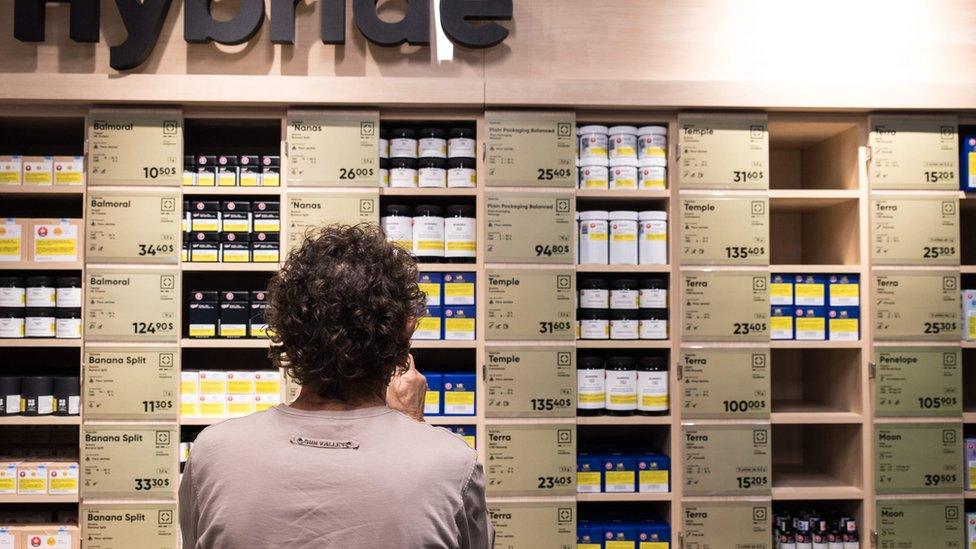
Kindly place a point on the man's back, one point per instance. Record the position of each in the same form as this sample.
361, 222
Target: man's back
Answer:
370, 478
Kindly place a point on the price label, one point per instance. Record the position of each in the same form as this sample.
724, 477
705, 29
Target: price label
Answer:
135, 147
310, 211
131, 383
141, 226
723, 151
531, 305
725, 383
918, 382
531, 460
534, 525
725, 306
113, 525
918, 458
921, 305
915, 231
921, 524
741, 524
914, 152
530, 228
727, 460
531, 149
129, 461
725, 231
531, 382
333, 148
132, 305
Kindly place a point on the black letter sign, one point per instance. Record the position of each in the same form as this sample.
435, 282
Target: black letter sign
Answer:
414, 29
29, 20
199, 26
143, 21
455, 15
333, 21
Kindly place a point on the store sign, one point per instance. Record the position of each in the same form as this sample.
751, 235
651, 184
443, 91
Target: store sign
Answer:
918, 381
131, 383
725, 306
468, 23
132, 305
129, 461
135, 147
918, 305
727, 460
532, 460
725, 383
920, 524
727, 524
531, 381
531, 305
531, 149
137, 226
914, 152
333, 148
530, 228
534, 525
112, 525
725, 231
918, 458
915, 231
310, 211
723, 151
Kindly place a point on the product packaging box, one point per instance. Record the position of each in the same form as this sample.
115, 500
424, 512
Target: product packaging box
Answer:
226, 171
811, 323
266, 216
55, 240
257, 326
429, 325
241, 382
185, 250
466, 432
619, 473
206, 167
11, 170
809, 290
263, 402
780, 289
844, 324
212, 405
459, 394
781, 323
240, 405
270, 171
204, 247
50, 536
969, 314
652, 533
432, 400
8, 478
267, 382
589, 474
249, 172
38, 170
235, 312
653, 473
10, 537
189, 171
235, 216
62, 478
31, 478
431, 284
189, 382
844, 290
189, 405
459, 323
203, 314
967, 163
235, 248
970, 530
205, 216
589, 535
14, 234
69, 170
459, 289
970, 456
265, 248
620, 532
213, 382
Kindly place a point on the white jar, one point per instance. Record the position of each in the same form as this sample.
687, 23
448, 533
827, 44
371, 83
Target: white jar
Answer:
591, 384
624, 294
68, 328
653, 324
461, 173
653, 294
398, 226
592, 176
432, 173
432, 143
622, 149
592, 144
621, 385
653, 173
594, 323
623, 178
652, 390
403, 173
403, 143
652, 141
428, 232
653, 238
40, 322
460, 143
12, 326
593, 242
68, 297
384, 147
11, 296
594, 294
624, 324
460, 230
623, 237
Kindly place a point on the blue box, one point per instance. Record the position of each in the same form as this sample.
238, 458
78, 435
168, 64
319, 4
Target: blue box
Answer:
620, 473
810, 290
429, 326
432, 285
844, 290
432, 400
844, 323
589, 474
653, 473
459, 289
781, 323
967, 163
459, 323
653, 531
467, 432
459, 394
620, 533
781, 289
589, 535
810, 323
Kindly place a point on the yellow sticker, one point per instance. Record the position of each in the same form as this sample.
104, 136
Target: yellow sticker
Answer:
458, 398
458, 289
809, 290
810, 324
56, 247
844, 290
654, 477
778, 323
779, 289
588, 478
843, 325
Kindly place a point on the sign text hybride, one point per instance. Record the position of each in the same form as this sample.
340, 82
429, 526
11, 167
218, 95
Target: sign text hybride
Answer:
143, 20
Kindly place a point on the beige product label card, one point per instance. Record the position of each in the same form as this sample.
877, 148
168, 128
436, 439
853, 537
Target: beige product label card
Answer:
531, 381
915, 231
132, 305
725, 231
333, 148
135, 147
142, 226
916, 305
131, 383
918, 381
518, 525
534, 305
309, 211
725, 305
918, 458
531, 149
914, 152
129, 461
531, 460
725, 383
719, 525
117, 525
921, 524
723, 151
530, 228
727, 460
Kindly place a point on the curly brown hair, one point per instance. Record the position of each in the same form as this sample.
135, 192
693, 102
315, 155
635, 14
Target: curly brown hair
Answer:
342, 310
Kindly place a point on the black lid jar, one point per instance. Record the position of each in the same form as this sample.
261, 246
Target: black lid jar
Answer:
41, 291
403, 143
590, 386
460, 234
652, 386
593, 323
432, 172
428, 233
37, 395
432, 142
624, 294
621, 385
12, 292
594, 293
67, 396
461, 143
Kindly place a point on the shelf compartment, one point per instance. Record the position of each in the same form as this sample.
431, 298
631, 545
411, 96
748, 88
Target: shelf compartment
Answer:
17, 499
629, 196
822, 461
230, 267
446, 192
623, 420
217, 343
825, 232
819, 385
192, 190
969, 385
623, 344
26, 342
40, 420
814, 152
42, 266
40, 191
625, 497
795, 483
610, 269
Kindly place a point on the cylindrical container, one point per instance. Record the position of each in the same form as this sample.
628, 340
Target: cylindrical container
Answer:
593, 144
653, 238
621, 386
13, 292
398, 225
432, 143
624, 323
576, 232
652, 142
592, 176
403, 143
653, 293
460, 234
11, 322
10, 396
384, 144
68, 323
652, 386
594, 323
652, 173
622, 178
593, 245
594, 293
653, 324
622, 149
403, 172
67, 396
623, 237
432, 172
41, 291
624, 294
69, 292
384, 172
461, 173
428, 233
40, 322
37, 395
460, 143
591, 389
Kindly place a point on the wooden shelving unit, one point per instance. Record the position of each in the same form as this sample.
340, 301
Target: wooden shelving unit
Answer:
40, 342
24, 499
625, 497
40, 420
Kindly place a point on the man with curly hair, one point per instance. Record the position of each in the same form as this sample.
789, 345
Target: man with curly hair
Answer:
350, 463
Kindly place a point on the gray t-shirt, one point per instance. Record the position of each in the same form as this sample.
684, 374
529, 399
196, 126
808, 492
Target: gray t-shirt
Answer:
369, 478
